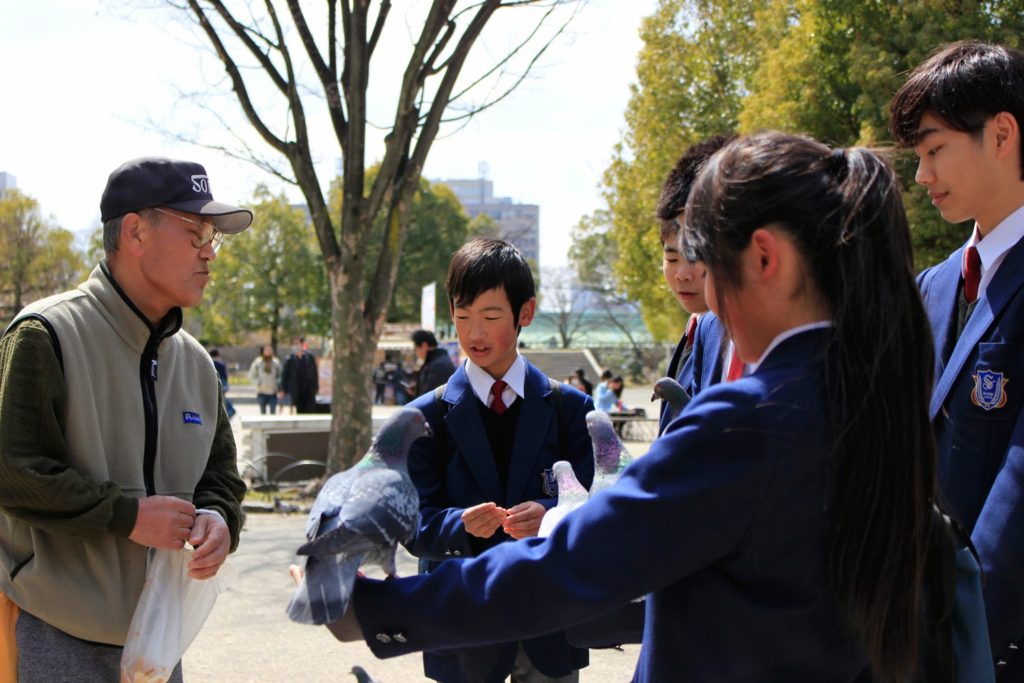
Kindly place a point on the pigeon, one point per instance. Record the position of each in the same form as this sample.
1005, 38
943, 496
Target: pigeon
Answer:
358, 518
673, 393
361, 675
571, 495
610, 456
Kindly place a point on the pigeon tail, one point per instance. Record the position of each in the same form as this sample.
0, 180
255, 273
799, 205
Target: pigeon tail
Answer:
323, 595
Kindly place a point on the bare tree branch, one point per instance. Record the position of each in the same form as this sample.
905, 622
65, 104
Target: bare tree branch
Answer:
378, 26
327, 74
237, 82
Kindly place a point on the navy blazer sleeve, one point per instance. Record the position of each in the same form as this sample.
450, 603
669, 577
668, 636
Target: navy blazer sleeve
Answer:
703, 502
998, 539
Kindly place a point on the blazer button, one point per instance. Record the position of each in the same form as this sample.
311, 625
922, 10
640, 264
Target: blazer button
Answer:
447, 553
1013, 646
384, 638
457, 553
400, 637
1000, 662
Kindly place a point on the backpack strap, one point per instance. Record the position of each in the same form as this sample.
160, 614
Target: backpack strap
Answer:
441, 431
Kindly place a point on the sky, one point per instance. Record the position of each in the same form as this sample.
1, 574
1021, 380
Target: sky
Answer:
88, 85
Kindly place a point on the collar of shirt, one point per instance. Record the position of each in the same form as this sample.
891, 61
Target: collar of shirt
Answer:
996, 244
730, 349
791, 332
481, 382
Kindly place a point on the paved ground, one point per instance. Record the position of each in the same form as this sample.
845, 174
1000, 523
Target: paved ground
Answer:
248, 638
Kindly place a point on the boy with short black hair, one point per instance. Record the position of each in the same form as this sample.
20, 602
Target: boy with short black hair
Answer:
685, 279
499, 425
961, 111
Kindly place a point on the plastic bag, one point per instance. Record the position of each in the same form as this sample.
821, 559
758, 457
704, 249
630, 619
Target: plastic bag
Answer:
171, 610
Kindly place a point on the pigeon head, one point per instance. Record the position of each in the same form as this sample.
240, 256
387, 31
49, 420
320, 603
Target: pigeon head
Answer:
397, 434
607, 447
568, 485
670, 391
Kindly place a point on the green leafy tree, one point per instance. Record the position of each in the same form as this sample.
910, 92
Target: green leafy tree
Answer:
691, 76
825, 68
268, 278
482, 225
36, 258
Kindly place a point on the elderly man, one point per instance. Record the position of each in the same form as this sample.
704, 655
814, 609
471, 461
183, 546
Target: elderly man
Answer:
113, 433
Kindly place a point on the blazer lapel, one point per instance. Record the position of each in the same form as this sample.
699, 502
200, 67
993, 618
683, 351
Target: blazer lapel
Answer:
466, 429
535, 416
943, 291
1007, 281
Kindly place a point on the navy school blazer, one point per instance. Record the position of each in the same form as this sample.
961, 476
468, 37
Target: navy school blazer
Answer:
466, 475
979, 429
722, 524
702, 368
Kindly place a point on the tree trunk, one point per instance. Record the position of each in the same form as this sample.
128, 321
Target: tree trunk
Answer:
351, 404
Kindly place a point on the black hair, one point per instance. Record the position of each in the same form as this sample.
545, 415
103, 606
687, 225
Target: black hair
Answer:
843, 211
483, 264
214, 353
964, 84
424, 337
607, 374
676, 187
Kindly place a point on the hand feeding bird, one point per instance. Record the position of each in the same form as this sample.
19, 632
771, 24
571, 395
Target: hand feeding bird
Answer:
610, 456
673, 393
571, 495
358, 518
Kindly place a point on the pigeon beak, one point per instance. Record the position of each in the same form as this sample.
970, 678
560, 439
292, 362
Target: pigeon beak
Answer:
654, 397
427, 431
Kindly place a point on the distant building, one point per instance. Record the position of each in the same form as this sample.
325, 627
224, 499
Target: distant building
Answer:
519, 223
7, 182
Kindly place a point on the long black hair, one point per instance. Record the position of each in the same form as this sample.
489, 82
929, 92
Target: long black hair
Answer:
842, 208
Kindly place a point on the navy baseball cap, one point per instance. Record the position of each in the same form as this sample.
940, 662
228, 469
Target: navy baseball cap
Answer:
155, 181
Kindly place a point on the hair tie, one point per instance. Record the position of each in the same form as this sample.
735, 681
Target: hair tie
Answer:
838, 165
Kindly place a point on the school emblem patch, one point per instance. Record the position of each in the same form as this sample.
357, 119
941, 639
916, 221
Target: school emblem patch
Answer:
989, 390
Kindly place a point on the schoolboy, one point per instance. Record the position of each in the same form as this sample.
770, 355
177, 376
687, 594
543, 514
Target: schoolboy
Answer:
961, 111
499, 425
685, 279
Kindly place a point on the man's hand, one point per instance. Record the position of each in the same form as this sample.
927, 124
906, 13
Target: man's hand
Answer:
524, 519
163, 522
212, 541
484, 519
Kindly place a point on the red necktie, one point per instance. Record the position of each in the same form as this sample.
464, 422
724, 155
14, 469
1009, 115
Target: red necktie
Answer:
972, 274
691, 330
498, 406
735, 367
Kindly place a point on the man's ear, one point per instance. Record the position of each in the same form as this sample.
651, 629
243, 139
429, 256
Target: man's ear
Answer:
132, 230
527, 312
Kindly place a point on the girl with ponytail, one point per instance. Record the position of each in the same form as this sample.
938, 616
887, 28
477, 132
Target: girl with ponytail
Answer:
839, 213
778, 527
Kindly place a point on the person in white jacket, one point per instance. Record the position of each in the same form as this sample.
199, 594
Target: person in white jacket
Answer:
265, 373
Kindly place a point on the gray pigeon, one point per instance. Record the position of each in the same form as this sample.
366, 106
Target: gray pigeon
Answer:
571, 495
359, 518
672, 393
361, 675
610, 456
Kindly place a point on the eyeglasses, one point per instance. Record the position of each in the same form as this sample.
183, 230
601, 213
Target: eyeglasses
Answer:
207, 233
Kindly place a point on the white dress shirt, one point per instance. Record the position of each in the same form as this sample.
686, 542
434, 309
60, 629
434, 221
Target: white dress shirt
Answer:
481, 382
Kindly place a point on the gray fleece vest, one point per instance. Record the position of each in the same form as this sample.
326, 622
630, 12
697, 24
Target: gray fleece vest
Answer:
142, 413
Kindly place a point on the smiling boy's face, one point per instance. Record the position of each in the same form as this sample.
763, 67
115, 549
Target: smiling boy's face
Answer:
488, 331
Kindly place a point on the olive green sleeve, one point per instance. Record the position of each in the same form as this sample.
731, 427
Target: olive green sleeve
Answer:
220, 488
37, 483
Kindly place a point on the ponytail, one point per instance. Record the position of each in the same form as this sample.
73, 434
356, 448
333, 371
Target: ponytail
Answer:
885, 469
843, 210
